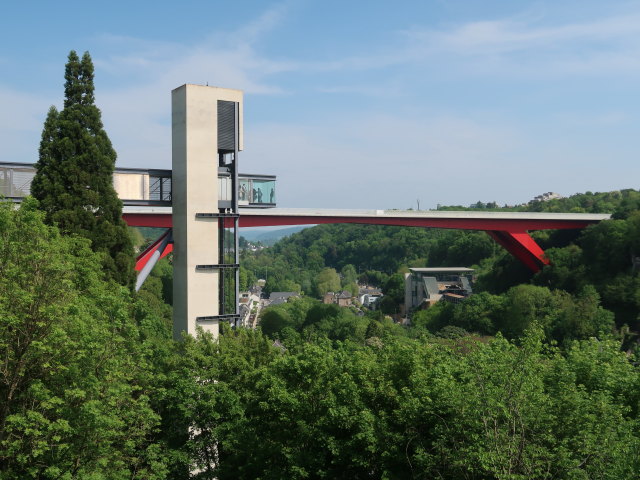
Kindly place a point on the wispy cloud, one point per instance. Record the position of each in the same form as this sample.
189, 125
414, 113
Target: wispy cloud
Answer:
134, 77
525, 44
265, 23
226, 60
366, 159
503, 36
601, 46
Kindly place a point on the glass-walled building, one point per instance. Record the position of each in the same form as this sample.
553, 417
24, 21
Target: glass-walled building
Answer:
148, 186
257, 190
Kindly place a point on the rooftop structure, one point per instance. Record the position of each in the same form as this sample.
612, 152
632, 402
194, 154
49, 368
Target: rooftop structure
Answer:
545, 197
440, 271
342, 299
427, 286
276, 298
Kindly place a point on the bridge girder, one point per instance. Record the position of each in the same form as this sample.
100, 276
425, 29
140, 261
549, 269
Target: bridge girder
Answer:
511, 234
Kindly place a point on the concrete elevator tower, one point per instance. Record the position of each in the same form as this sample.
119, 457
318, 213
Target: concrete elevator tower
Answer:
207, 135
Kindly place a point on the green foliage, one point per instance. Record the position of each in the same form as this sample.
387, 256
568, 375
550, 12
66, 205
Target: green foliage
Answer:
136, 237
563, 317
352, 288
526, 305
273, 320
394, 288
599, 202
567, 270
327, 280
434, 318
157, 290
451, 332
377, 251
92, 385
276, 283
501, 274
74, 377
469, 249
349, 275
602, 256
74, 180
373, 277
248, 279
583, 317
313, 320
448, 408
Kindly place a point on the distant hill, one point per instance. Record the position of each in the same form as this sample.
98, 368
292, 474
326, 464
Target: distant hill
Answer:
269, 237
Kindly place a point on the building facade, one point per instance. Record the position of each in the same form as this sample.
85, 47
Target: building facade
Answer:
426, 286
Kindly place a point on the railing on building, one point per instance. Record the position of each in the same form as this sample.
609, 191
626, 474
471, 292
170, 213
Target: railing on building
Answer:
150, 187
253, 190
143, 186
15, 180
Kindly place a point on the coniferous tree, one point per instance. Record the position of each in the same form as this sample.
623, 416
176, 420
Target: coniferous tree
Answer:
74, 182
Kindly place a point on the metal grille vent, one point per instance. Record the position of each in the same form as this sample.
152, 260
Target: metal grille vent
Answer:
226, 125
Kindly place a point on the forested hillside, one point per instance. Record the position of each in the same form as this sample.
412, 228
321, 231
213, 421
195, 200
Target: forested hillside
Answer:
93, 385
598, 264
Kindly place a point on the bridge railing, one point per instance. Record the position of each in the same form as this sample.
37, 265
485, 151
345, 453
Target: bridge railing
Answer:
15, 180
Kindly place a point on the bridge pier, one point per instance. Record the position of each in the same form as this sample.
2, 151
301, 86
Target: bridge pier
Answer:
521, 246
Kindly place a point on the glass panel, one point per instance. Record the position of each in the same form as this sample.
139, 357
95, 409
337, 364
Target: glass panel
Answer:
264, 191
227, 278
22, 179
155, 184
5, 182
16, 181
224, 188
166, 189
159, 189
244, 191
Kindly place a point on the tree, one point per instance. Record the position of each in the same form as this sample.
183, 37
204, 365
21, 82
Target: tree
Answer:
247, 279
526, 304
74, 181
349, 275
273, 320
74, 379
327, 280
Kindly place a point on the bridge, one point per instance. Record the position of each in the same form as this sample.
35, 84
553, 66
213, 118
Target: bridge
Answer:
204, 200
147, 198
509, 229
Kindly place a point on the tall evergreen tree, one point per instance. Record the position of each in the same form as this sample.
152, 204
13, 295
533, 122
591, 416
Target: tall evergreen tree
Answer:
74, 182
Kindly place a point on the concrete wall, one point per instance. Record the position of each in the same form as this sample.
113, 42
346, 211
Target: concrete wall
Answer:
195, 190
131, 186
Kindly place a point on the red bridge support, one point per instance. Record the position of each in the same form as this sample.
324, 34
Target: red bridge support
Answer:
510, 233
521, 246
144, 257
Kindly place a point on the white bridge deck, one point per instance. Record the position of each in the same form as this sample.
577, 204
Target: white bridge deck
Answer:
413, 214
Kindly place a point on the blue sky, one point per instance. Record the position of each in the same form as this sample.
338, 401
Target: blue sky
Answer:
354, 104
